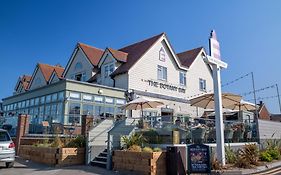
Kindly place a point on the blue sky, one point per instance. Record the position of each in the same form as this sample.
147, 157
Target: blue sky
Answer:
47, 31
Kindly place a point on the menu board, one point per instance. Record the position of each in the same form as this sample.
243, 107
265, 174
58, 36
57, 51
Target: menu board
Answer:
198, 158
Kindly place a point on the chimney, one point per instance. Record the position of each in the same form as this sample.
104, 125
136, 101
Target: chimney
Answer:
261, 103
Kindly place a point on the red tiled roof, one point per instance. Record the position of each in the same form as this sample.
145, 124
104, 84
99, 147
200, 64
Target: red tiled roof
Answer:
93, 54
119, 55
25, 80
135, 52
46, 70
59, 71
187, 58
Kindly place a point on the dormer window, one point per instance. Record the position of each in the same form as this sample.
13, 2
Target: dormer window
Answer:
162, 55
108, 69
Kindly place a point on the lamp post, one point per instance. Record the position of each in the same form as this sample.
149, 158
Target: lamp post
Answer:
216, 63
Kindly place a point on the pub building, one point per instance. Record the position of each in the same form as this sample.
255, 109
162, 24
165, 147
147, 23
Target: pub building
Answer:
97, 82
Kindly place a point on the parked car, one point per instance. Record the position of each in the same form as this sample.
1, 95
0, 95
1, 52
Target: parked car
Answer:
7, 149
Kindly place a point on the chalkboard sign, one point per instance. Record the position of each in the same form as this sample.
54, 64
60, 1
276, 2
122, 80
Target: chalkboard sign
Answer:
198, 158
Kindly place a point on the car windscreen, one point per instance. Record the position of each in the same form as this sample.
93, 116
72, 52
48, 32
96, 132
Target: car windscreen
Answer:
4, 136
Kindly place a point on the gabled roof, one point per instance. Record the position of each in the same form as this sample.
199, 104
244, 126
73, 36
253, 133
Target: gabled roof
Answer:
119, 55
59, 71
46, 70
187, 58
93, 54
24, 80
135, 52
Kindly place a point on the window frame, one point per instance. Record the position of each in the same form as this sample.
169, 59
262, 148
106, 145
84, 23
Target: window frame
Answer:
184, 78
162, 73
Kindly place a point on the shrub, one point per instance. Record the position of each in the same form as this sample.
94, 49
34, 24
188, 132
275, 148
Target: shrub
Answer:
147, 149
78, 142
215, 164
135, 139
135, 148
274, 153
57, 143
248, 156
265, 156
157, 149
230, 155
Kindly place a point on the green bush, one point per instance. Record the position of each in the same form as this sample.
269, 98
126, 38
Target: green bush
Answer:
230, 155
147, 149
135, 148
274, 153
157, 149
135, 139
265, 156
78, 142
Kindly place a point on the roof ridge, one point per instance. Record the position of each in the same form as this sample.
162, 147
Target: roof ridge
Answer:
201, 47
155, 36
87, 45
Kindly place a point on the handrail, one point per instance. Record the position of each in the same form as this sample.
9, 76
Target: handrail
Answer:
100, 132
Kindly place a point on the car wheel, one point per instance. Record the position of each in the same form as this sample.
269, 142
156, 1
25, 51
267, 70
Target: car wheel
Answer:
9, 164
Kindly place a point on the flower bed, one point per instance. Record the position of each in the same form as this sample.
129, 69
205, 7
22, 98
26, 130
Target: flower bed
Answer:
53, 156
152, 163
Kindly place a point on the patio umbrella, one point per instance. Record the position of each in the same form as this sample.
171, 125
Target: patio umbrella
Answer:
207, 101
141, 103
242, 105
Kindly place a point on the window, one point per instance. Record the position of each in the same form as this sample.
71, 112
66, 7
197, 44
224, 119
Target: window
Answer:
183, 78
106, 71
36, 101
109, 100
109, 112
161, 73
98, 111
88, 109
202, 84
31, 102
78, 66
74, 113
120, 101
48, 98
74, 96
42, 100
61, 96
98, 99
27, 103
60, 117
54, 97
111, 68
87, 97
162, 55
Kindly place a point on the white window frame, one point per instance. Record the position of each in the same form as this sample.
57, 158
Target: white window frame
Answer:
162, 73
162, 55
106, 70
184, 78
202, 84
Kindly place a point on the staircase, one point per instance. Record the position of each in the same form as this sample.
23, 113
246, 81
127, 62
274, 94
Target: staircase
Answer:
100, 160
98, 139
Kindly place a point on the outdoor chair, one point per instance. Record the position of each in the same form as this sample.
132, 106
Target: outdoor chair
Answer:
198, 135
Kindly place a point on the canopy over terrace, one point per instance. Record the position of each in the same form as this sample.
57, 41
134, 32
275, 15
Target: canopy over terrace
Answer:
207, 101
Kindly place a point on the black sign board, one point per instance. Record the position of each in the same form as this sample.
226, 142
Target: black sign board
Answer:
198, 158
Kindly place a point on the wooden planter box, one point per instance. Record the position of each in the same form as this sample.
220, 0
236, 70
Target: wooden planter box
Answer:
140, 162
53, 156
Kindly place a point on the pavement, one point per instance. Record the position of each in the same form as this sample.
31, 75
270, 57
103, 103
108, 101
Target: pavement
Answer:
26, 167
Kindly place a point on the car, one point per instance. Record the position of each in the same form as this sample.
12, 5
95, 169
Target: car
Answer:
7, 149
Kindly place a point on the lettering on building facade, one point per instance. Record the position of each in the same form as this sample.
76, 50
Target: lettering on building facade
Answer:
165, 86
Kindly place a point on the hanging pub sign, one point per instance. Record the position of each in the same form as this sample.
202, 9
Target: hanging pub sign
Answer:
198, 158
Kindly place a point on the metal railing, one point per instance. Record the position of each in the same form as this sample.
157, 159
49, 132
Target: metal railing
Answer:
160, 128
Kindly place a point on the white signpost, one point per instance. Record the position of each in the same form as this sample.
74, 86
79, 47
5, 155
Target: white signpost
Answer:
215, 61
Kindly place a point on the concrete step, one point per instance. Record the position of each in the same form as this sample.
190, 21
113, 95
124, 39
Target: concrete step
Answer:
101, 159
103, 154
98, 163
